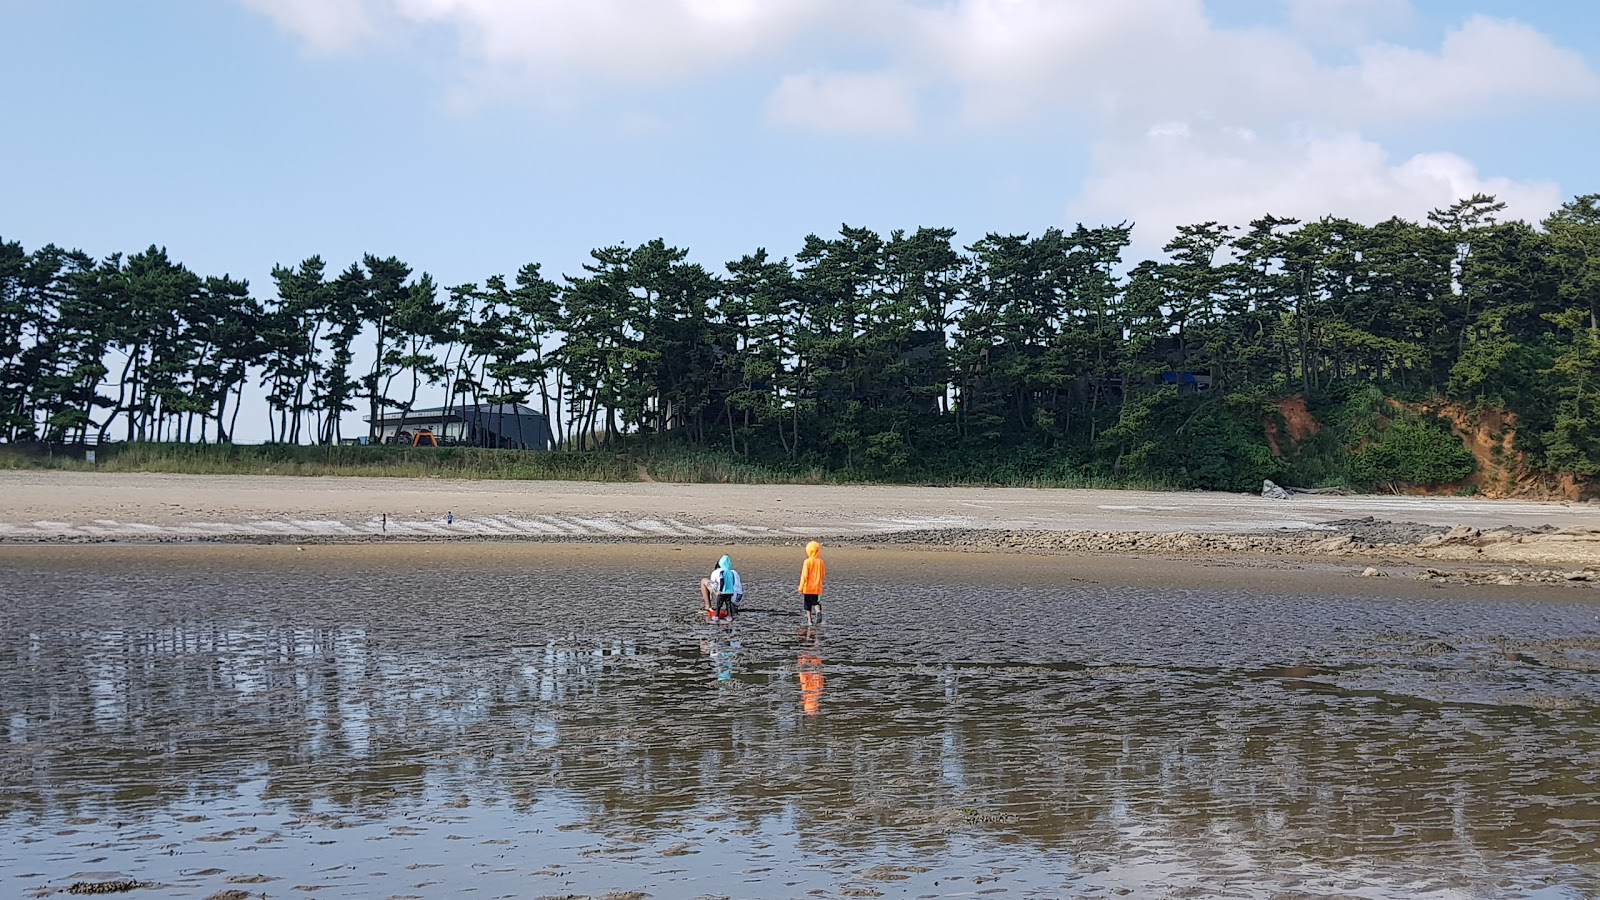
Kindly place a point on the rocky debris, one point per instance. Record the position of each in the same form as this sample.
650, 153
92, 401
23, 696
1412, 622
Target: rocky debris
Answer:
104, 887
892, 873
1334, 544
1512, 577
1363, 537
1294, 543
1273, 492
1574, 546
614, 895
1463, 536
1086, 541
947, 817
1370, 572
1460, 534
1370, 530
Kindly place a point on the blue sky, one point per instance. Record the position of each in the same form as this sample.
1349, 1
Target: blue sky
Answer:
471, 136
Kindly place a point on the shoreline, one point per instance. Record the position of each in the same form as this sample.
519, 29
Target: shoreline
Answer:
1131, 554
768, 568
1503, 541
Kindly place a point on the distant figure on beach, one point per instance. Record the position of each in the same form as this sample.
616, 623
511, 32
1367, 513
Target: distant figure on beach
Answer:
449, 518
723, 591
812, 574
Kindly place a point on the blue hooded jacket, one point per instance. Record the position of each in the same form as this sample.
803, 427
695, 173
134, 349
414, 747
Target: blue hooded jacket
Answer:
727, 578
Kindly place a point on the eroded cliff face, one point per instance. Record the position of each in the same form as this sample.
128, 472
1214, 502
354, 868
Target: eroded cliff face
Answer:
1298, 424
1489, 433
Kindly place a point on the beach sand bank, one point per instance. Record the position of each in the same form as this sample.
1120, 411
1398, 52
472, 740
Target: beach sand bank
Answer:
75, 508
166, 500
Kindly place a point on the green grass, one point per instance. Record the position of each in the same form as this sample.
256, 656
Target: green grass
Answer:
694, 466
691, 466
675, 464
286, 459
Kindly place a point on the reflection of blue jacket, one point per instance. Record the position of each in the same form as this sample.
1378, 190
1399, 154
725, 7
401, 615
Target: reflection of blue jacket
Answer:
725, 578
725, 659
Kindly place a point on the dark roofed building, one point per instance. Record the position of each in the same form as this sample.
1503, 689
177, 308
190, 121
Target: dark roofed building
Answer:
507, 426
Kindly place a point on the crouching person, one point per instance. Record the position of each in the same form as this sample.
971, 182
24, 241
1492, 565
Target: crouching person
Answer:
723, 591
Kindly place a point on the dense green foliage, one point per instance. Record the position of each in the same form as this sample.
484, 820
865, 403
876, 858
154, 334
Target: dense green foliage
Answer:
1019, 359
1412, 453
666, 463
1370, 440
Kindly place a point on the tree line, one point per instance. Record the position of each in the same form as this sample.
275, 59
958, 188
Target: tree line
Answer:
899, 355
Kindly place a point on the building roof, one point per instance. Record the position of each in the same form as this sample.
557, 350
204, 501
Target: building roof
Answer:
461, 411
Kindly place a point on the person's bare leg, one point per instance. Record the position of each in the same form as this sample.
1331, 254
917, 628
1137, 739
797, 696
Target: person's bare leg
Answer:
705, 593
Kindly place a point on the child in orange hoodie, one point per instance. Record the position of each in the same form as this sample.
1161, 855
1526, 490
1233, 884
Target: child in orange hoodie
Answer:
812, 574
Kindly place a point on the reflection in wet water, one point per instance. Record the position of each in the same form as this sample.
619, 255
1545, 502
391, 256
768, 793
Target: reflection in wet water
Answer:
809, 670
498, 733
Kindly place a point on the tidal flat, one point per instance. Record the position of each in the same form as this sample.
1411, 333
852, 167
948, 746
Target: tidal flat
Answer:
560, 721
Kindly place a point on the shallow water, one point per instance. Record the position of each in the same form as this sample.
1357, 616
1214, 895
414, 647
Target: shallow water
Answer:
460, 731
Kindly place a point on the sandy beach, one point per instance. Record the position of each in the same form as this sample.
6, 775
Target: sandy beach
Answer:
66, 507
185, 499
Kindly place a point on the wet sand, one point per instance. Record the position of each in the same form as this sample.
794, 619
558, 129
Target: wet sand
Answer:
769, 567
559, 721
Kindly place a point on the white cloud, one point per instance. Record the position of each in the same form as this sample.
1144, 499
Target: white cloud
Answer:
868, 102
1127, 63
1011, 57
1345, 21
1191, 120
1176, 175
626, 41
325, 25
1482, 64
1133, 63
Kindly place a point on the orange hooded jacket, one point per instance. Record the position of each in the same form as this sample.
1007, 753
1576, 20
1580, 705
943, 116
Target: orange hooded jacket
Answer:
814, 571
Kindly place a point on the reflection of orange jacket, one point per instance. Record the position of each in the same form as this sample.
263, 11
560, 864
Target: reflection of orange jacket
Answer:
814, 570
811, 681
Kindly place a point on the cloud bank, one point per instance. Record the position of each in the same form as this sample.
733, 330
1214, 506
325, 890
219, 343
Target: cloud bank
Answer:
1152, 179
1186, 119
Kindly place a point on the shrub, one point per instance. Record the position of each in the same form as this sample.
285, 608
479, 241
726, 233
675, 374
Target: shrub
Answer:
1419, 453
1208, 443
1226, 450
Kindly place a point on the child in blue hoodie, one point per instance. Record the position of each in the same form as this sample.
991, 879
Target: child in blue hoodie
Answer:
723, 591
